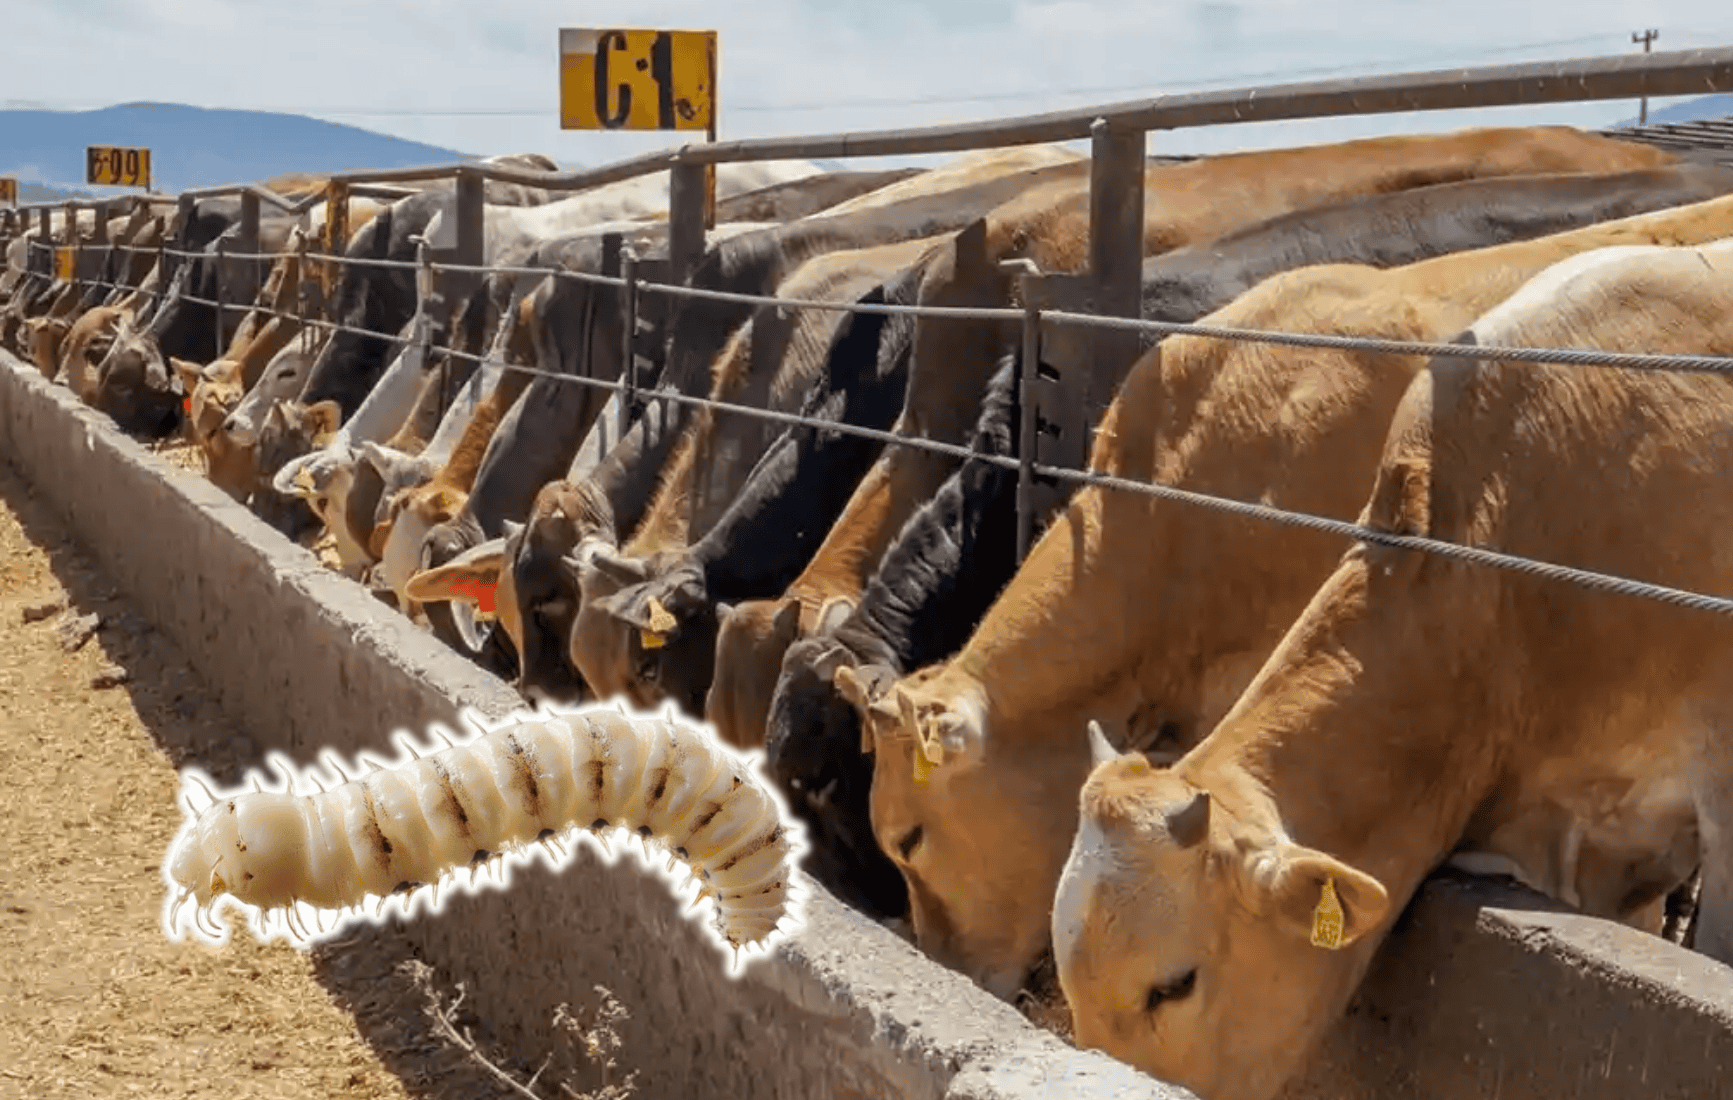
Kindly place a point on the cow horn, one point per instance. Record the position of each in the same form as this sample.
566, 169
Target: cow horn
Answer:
1101, 750
1189, 824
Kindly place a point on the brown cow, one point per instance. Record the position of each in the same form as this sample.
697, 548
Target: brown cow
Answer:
1216, 916
1152, 616
1184, 204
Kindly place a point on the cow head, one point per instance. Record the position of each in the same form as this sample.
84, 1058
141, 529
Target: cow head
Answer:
968, 818
284, 423
45, 337
661, 630
137, 389
1193, 938
751, 640
812, 742
477, 577
397, 542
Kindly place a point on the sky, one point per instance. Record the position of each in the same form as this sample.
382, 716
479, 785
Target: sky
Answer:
483, 77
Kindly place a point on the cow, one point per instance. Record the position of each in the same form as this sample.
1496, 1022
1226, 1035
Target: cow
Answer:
1215, 916
1184, 204
771, 361
654, 638
979, 820
371, 300
925, 592
799, 192
631, 469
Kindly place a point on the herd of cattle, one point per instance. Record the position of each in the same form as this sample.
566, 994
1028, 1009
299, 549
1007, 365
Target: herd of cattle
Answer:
1197, 761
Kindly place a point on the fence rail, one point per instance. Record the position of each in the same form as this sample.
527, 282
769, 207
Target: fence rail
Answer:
1118, 136
1032, 318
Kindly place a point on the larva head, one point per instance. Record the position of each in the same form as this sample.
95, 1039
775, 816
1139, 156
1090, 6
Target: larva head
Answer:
251, 846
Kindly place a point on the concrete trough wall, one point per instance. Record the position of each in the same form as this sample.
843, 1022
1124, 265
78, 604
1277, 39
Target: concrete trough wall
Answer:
1482, 991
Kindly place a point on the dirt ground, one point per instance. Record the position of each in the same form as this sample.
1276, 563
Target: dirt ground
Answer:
95, 1001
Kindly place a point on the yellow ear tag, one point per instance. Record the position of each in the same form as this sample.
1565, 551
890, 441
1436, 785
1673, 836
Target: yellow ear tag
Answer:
661, 622
924, 767
1327, 918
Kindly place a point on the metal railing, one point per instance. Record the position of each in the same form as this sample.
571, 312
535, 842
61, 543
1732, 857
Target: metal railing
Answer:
1032, 318
1117, 133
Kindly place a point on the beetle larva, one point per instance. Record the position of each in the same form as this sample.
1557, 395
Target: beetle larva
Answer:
398, 832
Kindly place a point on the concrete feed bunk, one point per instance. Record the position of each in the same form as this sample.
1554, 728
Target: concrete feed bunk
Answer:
1482, 990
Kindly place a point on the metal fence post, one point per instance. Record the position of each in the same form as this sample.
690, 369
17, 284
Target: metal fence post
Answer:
1027, 413
1116, 172
471, 211
685, 220
628, 392
72, 242
160, 289
248, 240
45, 239
424, 304
99, 244
185, 208
222, 296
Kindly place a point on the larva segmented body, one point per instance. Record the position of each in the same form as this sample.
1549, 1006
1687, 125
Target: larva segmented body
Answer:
499, 796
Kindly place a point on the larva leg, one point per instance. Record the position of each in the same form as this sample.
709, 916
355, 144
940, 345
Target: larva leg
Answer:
398, 829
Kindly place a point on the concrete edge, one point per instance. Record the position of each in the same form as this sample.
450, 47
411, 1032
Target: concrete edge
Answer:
314, 661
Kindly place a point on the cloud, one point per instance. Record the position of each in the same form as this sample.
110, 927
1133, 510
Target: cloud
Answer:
484, 77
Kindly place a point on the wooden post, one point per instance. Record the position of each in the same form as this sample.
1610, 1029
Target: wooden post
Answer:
1116, 171
72, 242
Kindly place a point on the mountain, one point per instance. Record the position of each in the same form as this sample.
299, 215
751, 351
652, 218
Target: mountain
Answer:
1692, 110
35, 192
198, 146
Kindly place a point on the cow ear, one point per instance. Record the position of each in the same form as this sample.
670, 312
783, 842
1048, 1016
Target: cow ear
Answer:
944, 736
785, 626
1317, 897
862, 693
619, 568
190, 374
1101, 750
472, 576
832, 614
396, 469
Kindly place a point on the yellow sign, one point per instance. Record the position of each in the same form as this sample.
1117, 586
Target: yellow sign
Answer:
9, 190
63, 264
117, 166
637, 80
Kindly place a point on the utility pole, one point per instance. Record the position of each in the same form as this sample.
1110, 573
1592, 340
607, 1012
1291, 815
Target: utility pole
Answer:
1645, 38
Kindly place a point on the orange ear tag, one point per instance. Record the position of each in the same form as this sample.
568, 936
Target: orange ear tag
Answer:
1327, 919
649, 639
484, 596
